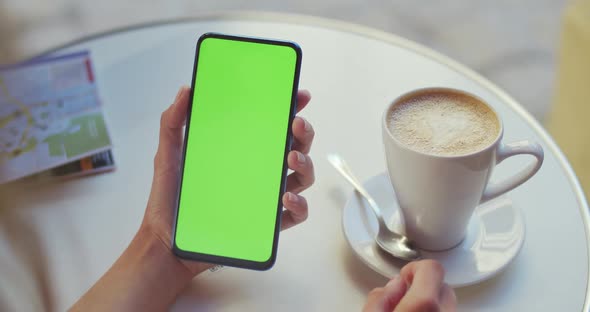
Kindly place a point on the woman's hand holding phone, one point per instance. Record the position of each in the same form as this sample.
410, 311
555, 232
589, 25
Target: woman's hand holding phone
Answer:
159, 213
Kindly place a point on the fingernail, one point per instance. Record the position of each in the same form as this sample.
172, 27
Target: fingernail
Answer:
394, 282
306, 125
300, 158
292, 197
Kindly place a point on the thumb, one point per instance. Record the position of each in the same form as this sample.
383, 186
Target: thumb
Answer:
168, 156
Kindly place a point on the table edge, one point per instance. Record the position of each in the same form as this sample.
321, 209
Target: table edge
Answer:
387, 37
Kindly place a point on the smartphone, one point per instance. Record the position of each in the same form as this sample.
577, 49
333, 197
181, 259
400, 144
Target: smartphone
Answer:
237, 137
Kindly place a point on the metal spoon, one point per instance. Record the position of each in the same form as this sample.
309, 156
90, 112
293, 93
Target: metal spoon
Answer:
394, 243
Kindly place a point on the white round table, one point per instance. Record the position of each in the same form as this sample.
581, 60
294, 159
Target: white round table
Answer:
78, 228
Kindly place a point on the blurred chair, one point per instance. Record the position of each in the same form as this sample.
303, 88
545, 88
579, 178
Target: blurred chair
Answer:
569, 121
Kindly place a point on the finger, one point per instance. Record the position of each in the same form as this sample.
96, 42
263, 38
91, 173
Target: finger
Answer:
168, 155
303, 174
171, 123
374, 300
295, 210
303, 98
386, 298
394, 292
177, 117
448, 301
425, 275
426, 280
303, 134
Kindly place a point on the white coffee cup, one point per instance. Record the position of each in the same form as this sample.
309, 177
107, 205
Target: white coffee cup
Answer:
437, 194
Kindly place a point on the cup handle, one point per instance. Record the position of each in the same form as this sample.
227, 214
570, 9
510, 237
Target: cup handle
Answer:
504, 151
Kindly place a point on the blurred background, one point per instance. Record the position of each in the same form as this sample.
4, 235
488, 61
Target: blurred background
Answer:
513, 43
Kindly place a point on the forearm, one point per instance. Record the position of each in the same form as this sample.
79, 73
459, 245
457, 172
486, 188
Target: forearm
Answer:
147, 277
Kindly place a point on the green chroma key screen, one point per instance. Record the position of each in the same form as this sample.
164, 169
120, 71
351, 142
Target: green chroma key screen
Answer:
236, 143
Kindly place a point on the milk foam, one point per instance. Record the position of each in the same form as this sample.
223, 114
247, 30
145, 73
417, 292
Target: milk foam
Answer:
444, 124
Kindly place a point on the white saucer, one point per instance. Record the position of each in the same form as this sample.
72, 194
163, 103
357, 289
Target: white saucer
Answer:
494, 236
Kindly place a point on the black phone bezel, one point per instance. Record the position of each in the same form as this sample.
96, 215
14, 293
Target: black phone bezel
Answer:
221, 260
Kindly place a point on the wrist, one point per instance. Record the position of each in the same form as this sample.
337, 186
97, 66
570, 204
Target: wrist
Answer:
191, 268
146, 277
155, 256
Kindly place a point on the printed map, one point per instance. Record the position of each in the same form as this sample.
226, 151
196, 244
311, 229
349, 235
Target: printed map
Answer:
50, 114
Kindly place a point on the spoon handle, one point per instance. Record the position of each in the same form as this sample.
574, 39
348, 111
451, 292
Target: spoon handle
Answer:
345, 171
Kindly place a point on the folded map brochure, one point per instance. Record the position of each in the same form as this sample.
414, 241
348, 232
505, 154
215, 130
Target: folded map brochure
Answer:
96, 163
50, 117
